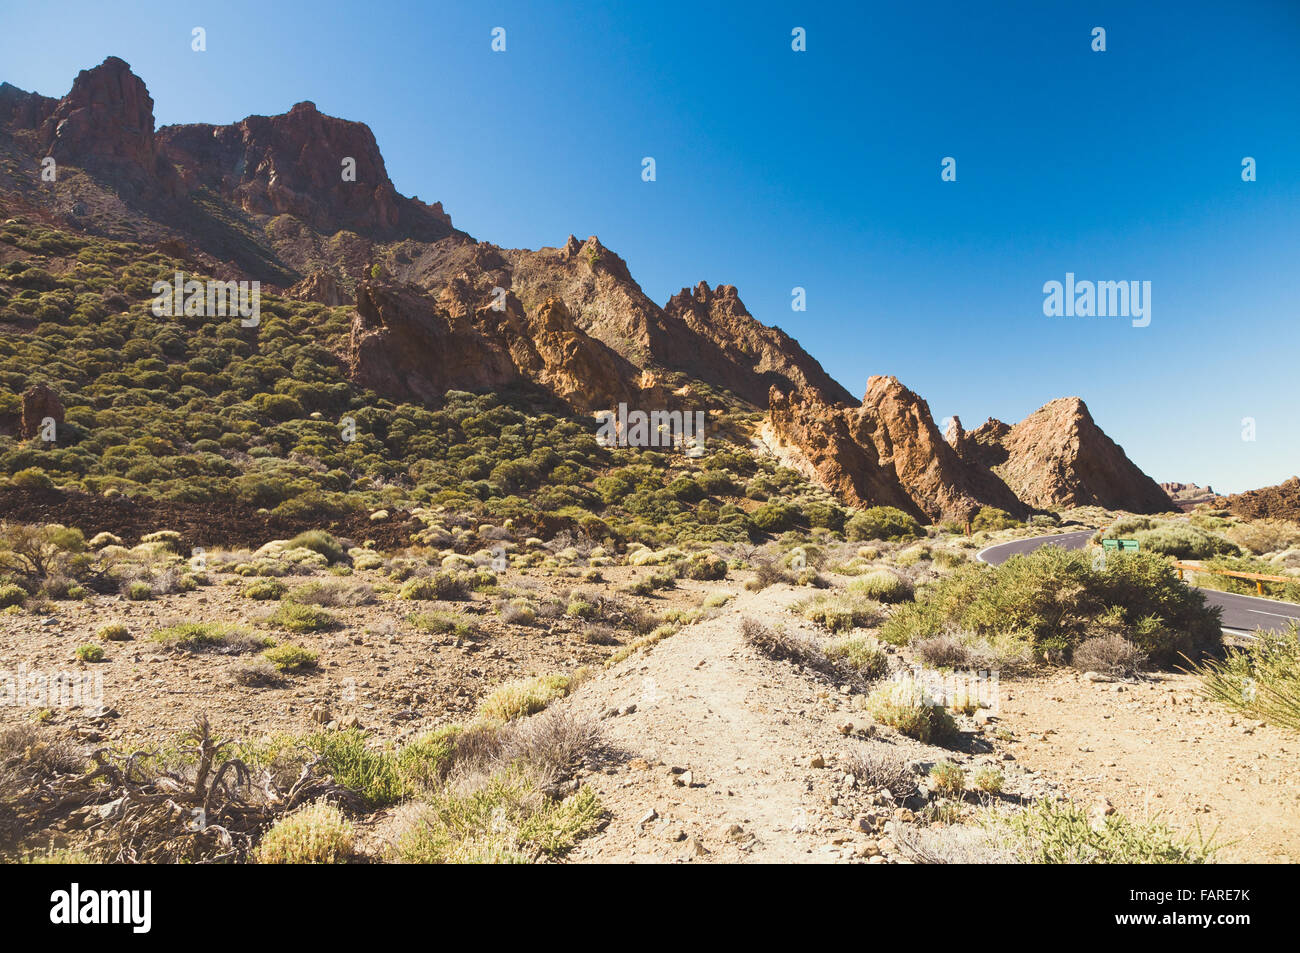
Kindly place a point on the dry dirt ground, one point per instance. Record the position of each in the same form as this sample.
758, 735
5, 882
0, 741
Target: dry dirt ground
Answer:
722, 754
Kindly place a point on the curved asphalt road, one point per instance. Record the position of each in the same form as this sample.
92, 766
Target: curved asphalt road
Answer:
1241, 614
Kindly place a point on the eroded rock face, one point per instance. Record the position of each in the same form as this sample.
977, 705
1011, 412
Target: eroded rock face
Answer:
294, 164
321, 287
39, 402
888, 446
1281, 502
405, 346
816, 438
1058, 456
105, 122
750, 356
943, 485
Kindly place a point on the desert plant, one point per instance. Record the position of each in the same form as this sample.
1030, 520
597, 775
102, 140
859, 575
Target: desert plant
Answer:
877, 767
905, 706
90, 653
1261, 679
314, 834
882, 585
296, 617
290, 658
882, 522
947, 779
1063, 833
114, 632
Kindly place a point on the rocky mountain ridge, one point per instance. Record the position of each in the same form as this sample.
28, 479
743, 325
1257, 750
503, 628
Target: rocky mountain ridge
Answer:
303, 203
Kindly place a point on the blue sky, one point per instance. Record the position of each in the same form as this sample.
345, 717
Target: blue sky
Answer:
821, 169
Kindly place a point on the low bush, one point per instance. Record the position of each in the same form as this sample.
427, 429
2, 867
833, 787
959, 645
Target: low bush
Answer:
1057, 599
295, 617
1261, 679
906, 707
1063, 833
527, 696
441, 586
883, 586
319, 541
290, 658
882, 522
209, 637
839, 611
315, 834
947, 779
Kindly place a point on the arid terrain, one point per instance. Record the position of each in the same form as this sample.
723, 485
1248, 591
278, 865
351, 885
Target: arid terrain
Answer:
331, 533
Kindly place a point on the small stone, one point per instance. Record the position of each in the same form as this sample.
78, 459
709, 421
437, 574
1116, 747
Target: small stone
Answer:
816, 761
846, 728
693, 848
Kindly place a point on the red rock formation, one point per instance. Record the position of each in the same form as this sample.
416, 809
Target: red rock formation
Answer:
1058, 456
293, 164
39, 402
1281, 502
817, 439
406, 347
944, 486
106, 122
749, 357
321, 287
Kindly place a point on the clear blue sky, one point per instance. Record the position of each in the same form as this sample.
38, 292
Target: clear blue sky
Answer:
821, 169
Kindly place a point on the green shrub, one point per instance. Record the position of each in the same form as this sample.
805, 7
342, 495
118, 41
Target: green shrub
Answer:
291, 658
319, 541
90, 653
883, 586
860, 653
209, 636
774, 517
527, 696
114, 632
1058, 599
947, 779
905, 706
989, 780
882, 522
12, 595
1261, 679
443, 623
1063, 833
706, 567
265, 588
990, 519
315, 834
139, 591
506, 819
296, 617
443, 586
839, 611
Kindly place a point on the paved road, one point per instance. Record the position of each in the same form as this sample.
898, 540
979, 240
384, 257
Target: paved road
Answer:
1242, 614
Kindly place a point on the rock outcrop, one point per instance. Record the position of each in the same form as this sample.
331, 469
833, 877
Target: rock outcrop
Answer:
324, 171
1281, 502
105, 123
405, 346
1058, 456
749, 356
40, 403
